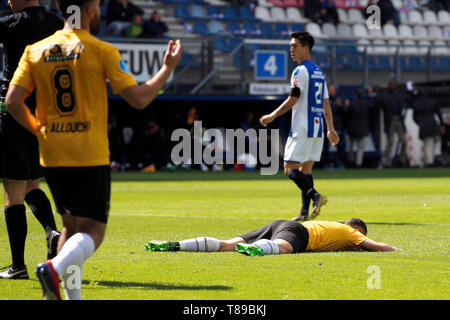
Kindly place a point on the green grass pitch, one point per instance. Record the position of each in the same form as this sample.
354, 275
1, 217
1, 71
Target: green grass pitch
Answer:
409, 209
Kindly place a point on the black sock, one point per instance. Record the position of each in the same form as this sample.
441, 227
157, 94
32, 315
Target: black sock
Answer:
304, 182
305, 198
42, 209
16, 224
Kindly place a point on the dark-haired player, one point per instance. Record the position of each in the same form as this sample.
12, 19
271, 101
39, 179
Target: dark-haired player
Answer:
69, 70
309, 102
282, 236
19, 154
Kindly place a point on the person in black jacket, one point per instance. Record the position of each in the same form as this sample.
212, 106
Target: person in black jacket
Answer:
119, 15
312, 10
336, 159
155, 27
357, 127
19, 152
425, 111
387, 11
393, 103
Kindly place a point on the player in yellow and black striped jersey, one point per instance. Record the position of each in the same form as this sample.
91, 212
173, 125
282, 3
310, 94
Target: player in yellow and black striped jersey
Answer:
69, 71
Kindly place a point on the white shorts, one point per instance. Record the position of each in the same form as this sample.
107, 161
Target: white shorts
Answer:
301, 149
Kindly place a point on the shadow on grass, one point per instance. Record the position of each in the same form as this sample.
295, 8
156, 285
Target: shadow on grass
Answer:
154, 286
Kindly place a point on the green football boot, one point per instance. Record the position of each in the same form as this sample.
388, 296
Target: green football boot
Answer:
156, 245
249, 249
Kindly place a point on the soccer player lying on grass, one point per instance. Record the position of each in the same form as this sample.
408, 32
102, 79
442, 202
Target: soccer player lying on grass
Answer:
282, 236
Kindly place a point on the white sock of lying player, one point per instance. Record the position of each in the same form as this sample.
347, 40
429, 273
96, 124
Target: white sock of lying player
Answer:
268, 246
200, 244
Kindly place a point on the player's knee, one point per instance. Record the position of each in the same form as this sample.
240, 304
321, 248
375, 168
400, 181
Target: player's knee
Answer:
226, 246
287, 170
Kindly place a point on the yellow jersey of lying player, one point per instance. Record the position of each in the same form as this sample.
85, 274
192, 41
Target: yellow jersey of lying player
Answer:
71, 68
332, 236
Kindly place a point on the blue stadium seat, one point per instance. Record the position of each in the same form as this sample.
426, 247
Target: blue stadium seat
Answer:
215, 12
354, 62
445, 63
332, 43
200, 27
103, 29
181, 11
234, 42
281, 29
234, 28
186, 58
322, 60
252, 47
216, 27
198, 12
221, 44
297, 27
250, 28
230, 13
347, 46
266, 29
371, 61
404, 64
104, 9
416, 63
383, 63
246, 13
435, 63
340, 62
238, 58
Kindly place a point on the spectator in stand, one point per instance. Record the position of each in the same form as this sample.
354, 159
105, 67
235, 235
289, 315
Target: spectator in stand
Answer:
4, 8
437, 5
155, 27
364, 11
135, 29
336, 159
388, 13
119, 15
115, 143
312, 10
328, 12
155, 152
53, 8
249, 123
425, 111
357, 127
446, 140
392, 103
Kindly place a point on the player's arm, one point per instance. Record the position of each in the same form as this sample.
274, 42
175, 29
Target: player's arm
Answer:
15, 103
331, 133
282, 109
371, 245
140, 96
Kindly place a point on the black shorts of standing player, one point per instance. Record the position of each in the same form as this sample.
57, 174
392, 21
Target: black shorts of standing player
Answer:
19, 149
82, 191
290, 231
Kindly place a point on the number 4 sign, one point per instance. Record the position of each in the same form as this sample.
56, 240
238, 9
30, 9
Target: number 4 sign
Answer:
270, 65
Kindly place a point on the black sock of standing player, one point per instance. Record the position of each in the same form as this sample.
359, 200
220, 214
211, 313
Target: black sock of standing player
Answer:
42, 209
305, 198
16, 224
303, 182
